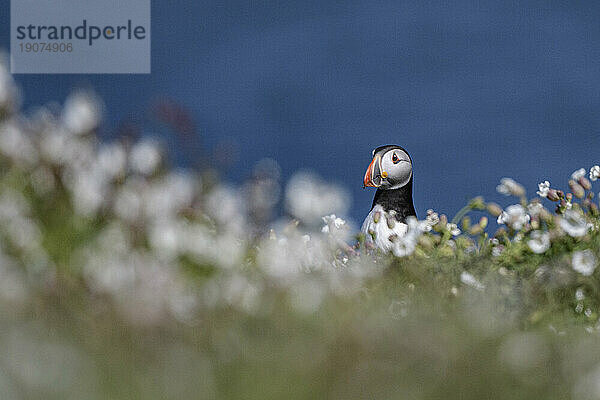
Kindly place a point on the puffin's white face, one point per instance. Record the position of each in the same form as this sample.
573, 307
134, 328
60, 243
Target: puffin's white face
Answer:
391, 168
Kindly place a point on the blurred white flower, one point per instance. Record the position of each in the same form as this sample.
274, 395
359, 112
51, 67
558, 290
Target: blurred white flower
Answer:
89, 192
53, 145
24, 233
13, 204
285, 259
75, 154
584, 262
470, 280
595, 173
573, 223
514, 216
112, 160
227, 249
224, 204
509, 187
108, 272
128, 201
82, 112
535, 209
22, 230
543, 189
145, 157
183, 303
406, 244
165, 197
167, 238
237, 290
308, 198
539, 242
8, 89
580, 173
15, 143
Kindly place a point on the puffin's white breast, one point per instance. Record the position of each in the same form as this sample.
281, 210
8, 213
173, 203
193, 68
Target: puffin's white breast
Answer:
380, 228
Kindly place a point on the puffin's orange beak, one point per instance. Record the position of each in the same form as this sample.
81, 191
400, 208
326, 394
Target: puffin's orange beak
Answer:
373, 174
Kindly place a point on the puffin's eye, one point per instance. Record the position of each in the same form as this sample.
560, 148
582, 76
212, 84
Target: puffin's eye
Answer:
395, 159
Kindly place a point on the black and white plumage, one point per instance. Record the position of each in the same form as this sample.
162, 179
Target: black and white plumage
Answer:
391, 173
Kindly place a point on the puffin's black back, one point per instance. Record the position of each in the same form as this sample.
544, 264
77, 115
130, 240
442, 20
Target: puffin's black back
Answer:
387, 147
399, 200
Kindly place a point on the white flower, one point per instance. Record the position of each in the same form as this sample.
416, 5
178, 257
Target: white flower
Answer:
453, 228
16, 144
8, 89
539, 242
580, 173
573, 223
470, 280
308, 198
145, 157
337, 222
509, 187
543, 189
169, 194
584, 262
535, 209
595, 173
406, 244
287, 260
89, 193
514, 216
336, 227
111, 160
128, 200
497, 250
82, 112
226, 207
432, 219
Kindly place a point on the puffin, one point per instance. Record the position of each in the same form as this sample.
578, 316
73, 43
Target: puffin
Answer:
390, 171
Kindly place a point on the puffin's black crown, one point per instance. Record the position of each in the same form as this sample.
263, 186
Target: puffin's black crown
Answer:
388, 147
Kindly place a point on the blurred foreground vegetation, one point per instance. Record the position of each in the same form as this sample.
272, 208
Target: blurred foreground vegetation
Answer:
122, 278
